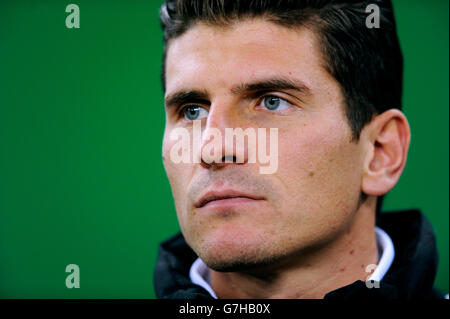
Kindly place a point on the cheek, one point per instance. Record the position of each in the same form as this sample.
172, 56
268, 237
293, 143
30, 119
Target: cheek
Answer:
168, 164
177, 173
321, 171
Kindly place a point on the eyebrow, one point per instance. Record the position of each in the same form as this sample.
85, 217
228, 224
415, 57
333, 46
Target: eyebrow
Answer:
182, 96
272, 84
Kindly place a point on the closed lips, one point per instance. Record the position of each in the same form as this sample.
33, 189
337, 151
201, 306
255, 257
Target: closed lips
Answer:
214, 197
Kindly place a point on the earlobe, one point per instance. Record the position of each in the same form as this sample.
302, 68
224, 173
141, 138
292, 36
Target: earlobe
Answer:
388, 138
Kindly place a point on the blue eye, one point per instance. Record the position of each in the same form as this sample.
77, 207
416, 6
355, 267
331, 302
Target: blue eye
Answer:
192, 113
273, 103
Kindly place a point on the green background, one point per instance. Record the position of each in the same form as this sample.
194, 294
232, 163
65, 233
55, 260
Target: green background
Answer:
81, 124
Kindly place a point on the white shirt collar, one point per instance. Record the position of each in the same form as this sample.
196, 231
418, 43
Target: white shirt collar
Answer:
199, 272
199, 275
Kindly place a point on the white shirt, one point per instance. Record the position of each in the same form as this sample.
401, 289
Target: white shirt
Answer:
199, 272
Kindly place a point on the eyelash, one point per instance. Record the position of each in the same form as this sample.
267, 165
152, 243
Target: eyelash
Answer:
184, 107
260, 97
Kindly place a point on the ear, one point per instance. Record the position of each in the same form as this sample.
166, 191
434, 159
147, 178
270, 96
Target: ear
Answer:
386, 139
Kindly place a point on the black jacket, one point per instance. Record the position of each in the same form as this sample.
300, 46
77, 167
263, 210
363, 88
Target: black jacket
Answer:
410, 276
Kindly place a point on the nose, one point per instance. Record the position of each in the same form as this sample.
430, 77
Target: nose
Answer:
223, 138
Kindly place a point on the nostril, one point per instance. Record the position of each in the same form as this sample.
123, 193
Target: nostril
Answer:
229, 159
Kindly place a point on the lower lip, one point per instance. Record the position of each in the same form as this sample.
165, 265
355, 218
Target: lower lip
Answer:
231, 202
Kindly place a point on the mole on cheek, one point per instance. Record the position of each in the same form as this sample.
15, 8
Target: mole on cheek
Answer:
311, 174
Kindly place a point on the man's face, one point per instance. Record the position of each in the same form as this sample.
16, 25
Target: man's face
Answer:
313, 196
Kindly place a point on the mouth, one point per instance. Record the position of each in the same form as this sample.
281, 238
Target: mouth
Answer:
226, 198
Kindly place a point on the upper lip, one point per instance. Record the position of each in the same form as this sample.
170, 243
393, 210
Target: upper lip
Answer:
224, 194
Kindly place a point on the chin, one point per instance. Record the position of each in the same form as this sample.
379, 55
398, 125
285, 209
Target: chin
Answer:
238, 265
233, 256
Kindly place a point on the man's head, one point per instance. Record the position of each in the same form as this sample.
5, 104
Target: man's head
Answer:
314, 71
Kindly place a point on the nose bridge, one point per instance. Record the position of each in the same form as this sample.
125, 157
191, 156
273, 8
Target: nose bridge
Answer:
217, 148
219, 115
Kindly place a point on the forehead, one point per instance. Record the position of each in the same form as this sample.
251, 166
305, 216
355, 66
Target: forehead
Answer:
220, 57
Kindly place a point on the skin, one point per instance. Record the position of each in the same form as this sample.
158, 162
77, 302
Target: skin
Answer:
309, 233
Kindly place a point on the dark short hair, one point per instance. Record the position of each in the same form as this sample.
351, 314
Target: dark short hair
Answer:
366, 62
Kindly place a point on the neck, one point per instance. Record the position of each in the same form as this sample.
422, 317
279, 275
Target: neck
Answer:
311, 274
